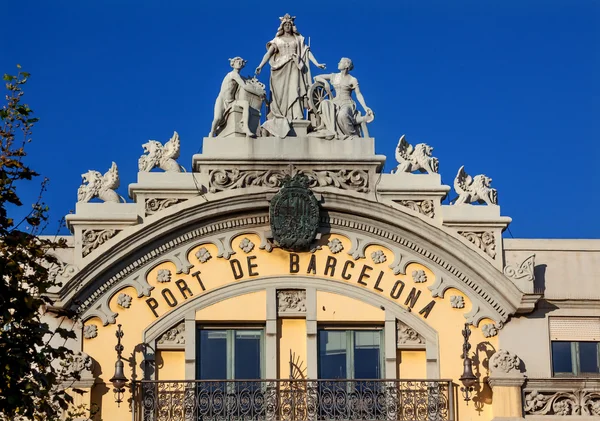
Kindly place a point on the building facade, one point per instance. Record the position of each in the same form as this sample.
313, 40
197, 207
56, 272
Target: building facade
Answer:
288, 278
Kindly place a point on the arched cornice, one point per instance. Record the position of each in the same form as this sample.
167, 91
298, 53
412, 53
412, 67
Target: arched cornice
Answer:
177, 228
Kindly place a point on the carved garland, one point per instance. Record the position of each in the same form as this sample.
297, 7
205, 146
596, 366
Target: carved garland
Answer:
155, 205
407, 335
345, 179
193, 236
92, 239
173, 336
578, 402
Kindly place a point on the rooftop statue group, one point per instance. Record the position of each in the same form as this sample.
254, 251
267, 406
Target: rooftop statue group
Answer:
296, 98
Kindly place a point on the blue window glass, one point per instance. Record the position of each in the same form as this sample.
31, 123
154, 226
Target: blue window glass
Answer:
350, 354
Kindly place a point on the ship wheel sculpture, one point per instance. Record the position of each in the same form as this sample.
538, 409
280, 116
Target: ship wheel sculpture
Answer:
317, 93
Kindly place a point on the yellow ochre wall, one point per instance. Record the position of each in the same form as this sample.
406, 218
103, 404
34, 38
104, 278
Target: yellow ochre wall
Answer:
259, 264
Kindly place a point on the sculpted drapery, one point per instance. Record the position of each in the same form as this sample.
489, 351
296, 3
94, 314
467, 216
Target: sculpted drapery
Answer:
289, 57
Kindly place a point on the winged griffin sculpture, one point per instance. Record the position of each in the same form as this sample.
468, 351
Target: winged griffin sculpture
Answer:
100, 186
416, 158
163, 157
474, 189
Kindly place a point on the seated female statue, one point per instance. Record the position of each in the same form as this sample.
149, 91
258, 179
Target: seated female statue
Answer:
339, 116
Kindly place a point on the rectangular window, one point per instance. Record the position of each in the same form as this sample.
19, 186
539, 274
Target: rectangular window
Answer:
575, 358
230, 354
350, 354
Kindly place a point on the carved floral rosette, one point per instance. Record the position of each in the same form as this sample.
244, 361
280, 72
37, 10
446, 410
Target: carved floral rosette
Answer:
504, 362
578, 402
344, 179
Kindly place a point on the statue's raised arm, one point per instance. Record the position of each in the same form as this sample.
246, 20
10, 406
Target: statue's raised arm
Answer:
289, 56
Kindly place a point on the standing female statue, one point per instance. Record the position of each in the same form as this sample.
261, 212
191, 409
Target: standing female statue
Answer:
288, 56
339, 116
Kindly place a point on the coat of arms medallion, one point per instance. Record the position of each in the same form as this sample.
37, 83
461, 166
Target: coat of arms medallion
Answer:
294, 214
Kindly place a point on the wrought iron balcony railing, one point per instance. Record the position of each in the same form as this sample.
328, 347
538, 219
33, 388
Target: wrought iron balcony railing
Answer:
294, 400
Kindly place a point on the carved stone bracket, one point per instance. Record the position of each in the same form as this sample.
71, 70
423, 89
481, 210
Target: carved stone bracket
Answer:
484, 241
61, 270
291, 302
344, 179
408, 337
155, 205
92, 239
173, 338
524, 270
424, 207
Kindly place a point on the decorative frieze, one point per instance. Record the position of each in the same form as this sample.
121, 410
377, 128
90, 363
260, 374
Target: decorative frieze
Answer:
92, 239
424, 207
484, 241
345, 179
524, 271
407, 336
291, 301
577, 402
173, 336
155, 205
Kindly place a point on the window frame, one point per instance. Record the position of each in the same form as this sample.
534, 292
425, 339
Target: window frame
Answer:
575, 360
230, 347
350, 330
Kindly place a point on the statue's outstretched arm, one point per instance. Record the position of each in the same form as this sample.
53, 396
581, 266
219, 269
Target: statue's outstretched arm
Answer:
314, 61
361, 99
266, 58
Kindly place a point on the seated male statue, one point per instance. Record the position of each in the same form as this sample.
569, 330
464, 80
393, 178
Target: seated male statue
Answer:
227, 98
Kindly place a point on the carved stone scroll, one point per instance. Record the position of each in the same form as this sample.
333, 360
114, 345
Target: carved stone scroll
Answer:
155, 205
482, 240
424, 207
92, 239
524, 271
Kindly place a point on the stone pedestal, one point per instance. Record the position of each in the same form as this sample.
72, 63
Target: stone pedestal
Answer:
235, 123
507, 403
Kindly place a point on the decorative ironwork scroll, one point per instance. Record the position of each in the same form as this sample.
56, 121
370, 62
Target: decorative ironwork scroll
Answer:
294, 400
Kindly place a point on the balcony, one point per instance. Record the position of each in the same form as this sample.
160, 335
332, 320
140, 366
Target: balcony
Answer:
294, 400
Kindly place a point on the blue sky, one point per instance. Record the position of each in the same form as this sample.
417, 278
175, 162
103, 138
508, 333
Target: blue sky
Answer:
507, 88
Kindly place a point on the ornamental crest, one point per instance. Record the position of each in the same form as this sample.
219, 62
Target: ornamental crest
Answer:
294, 214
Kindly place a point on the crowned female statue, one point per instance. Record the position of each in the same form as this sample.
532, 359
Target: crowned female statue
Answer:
288, 56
